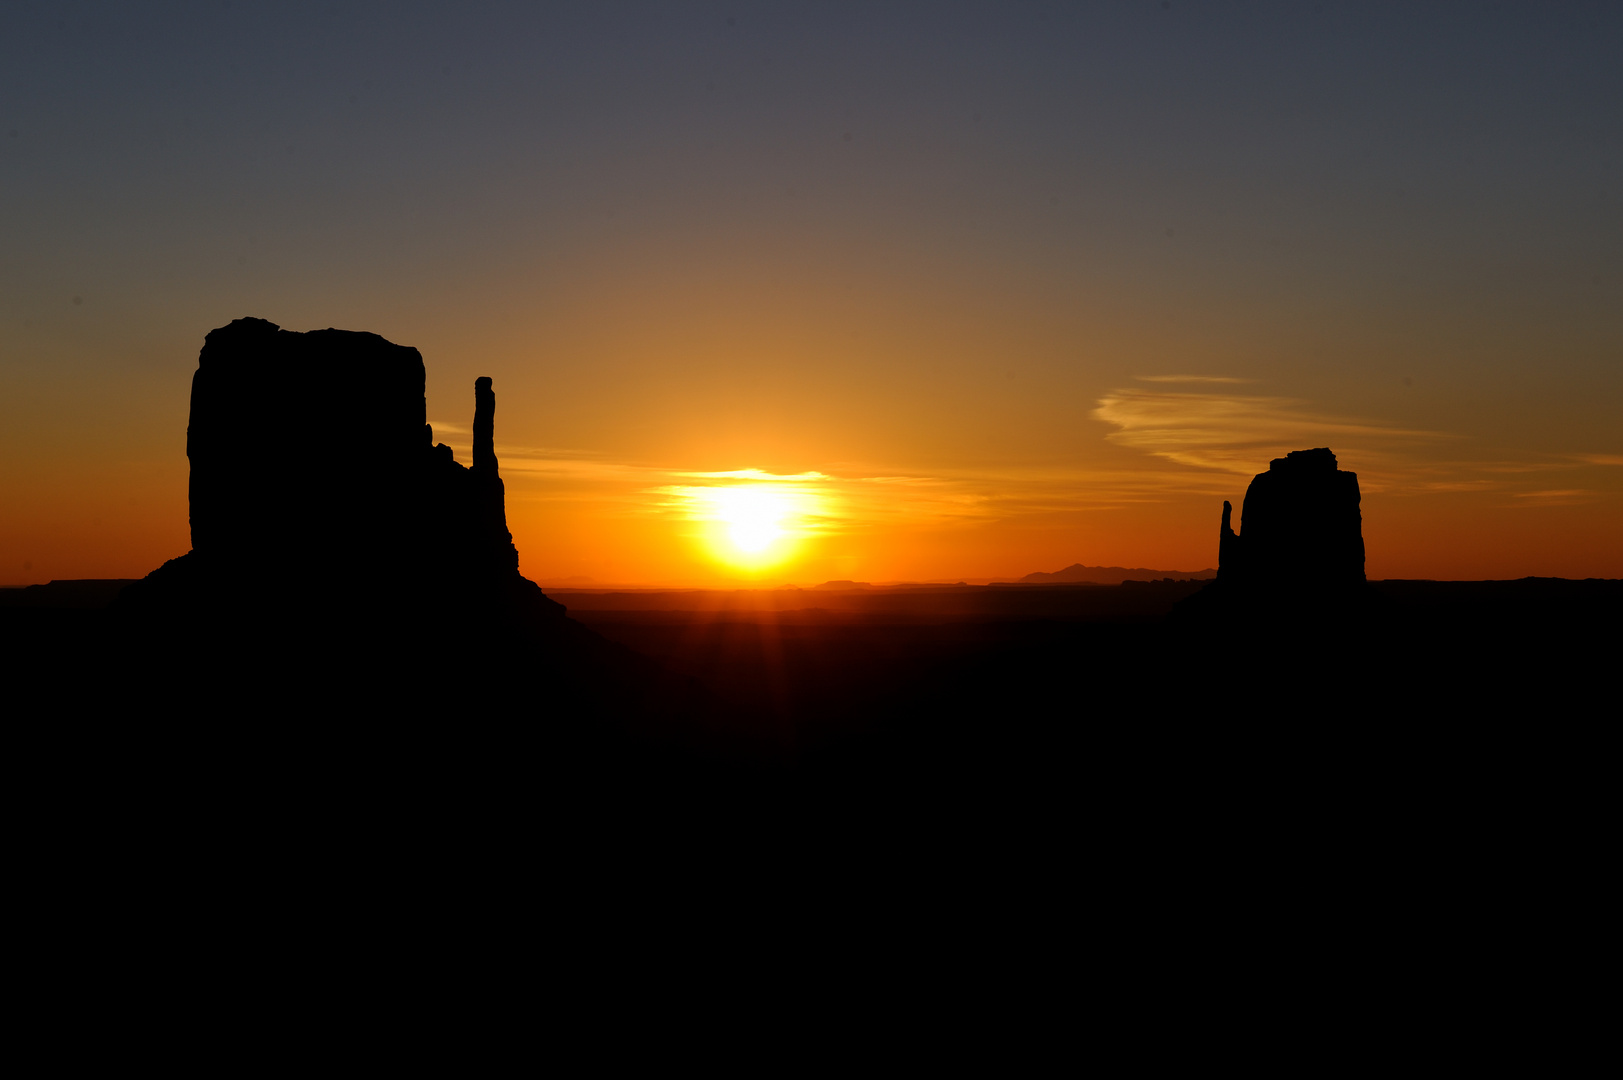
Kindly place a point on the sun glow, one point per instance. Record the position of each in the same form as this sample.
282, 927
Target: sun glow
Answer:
754, 515
757, 520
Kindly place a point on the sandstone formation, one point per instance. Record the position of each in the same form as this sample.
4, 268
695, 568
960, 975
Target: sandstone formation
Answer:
1301, 531
325, 517
311, 458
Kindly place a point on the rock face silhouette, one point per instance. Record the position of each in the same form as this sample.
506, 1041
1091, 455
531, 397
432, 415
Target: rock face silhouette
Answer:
311, 460
327, 526
1301, 529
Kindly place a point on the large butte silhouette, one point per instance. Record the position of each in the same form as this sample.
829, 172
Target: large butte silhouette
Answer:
338, 552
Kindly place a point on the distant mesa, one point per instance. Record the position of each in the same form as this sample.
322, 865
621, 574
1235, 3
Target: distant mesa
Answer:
1076, 573
842, 586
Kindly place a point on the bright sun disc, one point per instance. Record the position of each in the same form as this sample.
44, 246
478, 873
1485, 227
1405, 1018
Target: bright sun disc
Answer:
752, 526
754, 516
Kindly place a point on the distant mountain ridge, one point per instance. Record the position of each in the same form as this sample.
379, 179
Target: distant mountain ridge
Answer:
1112, 575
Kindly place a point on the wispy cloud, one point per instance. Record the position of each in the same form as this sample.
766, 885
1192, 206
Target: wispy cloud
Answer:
1240, 433
755, 475
1196, 444
564, 466
1561, 496
1190, 379
851, 497
1235, 432
799, 505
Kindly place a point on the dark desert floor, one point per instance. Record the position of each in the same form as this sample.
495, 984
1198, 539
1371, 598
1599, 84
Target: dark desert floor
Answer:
788, 672
1000, 719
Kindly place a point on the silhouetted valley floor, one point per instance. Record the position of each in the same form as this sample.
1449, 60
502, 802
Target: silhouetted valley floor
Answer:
909, 687
1408, 772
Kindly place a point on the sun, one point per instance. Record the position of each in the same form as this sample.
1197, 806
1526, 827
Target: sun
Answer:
752, 524
754, 516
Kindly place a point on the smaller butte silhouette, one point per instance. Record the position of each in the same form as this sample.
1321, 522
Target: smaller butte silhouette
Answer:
1301, 529
1297, 563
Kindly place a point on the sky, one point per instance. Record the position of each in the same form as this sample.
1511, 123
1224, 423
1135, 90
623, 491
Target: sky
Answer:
782, 293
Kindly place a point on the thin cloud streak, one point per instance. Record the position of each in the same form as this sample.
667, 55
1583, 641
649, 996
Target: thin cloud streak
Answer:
852, 498
1236, 433
753, 474
1190, 379
1239, 434
1206, 443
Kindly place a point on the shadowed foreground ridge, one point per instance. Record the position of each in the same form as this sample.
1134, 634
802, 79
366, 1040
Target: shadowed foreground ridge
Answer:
336, 549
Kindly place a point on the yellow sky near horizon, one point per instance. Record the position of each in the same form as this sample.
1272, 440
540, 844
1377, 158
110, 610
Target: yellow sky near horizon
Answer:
1169, 450
1201, 444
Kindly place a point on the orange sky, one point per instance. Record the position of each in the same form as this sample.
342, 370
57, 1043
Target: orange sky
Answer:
942, 458
968, 298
